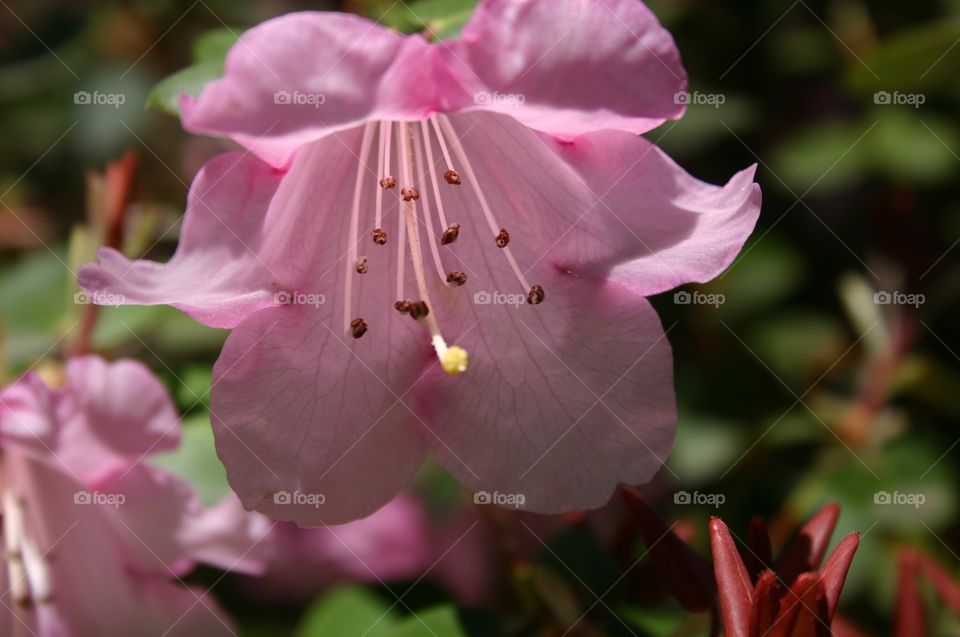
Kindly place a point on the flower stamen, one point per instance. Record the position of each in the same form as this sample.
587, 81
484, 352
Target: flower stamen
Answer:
453, 360
352, 260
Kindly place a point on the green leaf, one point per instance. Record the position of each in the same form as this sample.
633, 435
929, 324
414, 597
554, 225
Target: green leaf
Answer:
443, 18
915, 59
191, 80
348, 612
213, 45
357, 612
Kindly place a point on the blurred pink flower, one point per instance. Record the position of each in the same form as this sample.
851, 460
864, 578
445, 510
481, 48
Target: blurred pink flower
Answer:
95, 538
527, 219
390, 545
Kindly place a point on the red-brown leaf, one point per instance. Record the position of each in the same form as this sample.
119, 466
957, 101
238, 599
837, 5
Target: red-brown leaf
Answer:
807, 548
733, 581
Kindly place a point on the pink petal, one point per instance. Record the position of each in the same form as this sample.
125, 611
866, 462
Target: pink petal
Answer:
609, 200
168, 524
562, 402
217, 275
392, 544
27, 412
117, 413
309, 422
360, 70
568, 67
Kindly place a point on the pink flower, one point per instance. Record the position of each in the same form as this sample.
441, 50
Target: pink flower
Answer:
495, 189
95, 538
390, 545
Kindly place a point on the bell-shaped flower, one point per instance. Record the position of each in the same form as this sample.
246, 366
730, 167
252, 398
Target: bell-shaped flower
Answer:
95, 538
445, 249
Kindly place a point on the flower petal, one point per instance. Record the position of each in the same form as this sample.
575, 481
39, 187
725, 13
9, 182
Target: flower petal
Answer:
561, 402
568, 67
299, 77
311, 427
252, 236
170, 525
118, 413
217, 275
609, 204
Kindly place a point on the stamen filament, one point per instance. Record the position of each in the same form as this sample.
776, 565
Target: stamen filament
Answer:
443, 143
453, 360
354, 226
427, 215
382, 168
425, 134
495, 228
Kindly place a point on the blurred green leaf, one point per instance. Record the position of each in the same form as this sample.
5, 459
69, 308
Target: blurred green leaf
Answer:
212, 46
444, 18
191, 80
915, 59
357, 611
705, 448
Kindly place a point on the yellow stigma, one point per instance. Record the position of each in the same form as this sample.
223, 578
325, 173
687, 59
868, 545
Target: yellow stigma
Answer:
455, 360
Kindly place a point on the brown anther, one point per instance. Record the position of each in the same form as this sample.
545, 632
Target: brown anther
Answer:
503, 238
403, 306
450, 234
361, 265
379, 236
388, 182
358, 327
536, 295
456, 277
418, 310
410, 194
452, 177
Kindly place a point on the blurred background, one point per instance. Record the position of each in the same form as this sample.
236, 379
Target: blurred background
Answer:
823, 366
